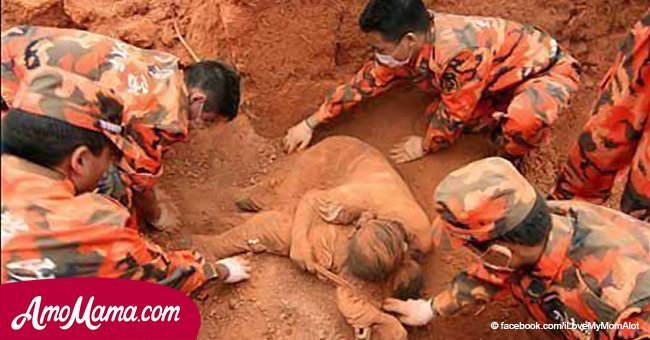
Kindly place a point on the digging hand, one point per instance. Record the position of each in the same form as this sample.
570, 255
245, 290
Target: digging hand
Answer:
238, 269
410, 312
298, 137
407, 150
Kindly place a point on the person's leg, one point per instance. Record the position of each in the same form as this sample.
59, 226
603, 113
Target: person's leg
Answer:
535, 106
265, 232
636, 196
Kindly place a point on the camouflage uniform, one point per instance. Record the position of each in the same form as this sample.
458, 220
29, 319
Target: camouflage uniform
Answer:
618, 133
595, 265
149, 83
50, 232
479, 65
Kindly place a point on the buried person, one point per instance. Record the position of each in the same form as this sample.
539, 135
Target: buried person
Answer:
159, 100
566, 261
57, 141
364, 224
491, 73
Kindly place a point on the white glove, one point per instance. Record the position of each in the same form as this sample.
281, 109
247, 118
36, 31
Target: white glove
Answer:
238, 269
410, 312
407, 150
298, 137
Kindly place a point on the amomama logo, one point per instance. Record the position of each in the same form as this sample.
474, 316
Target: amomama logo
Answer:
98, 308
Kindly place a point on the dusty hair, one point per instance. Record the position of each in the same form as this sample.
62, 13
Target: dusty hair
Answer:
407, 281
376, 249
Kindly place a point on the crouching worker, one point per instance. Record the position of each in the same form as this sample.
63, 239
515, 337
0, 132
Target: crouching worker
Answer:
566, 261
160, 101
364, 224
58, 139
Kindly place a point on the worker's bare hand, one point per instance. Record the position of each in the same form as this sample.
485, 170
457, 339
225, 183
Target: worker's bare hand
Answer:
168, 217
238, 268
410, 312
337, 213
298, 137
407, 150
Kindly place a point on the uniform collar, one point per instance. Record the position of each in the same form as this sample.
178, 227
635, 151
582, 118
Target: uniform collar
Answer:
25, 166
557, 246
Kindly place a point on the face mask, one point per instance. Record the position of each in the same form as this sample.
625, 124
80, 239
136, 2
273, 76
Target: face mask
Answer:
497, 258
390, 61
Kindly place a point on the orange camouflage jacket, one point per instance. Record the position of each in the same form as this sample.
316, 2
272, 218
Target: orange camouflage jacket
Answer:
618, 133
464, 58
150, 84
595, 268
48, 232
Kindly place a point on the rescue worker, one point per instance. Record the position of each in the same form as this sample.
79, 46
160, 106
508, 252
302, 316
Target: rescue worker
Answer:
159, 101
59, 137
363, 226
566, 261
491, 74
618, 133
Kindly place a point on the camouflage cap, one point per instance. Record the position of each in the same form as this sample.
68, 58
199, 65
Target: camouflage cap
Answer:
483, 200
70, 97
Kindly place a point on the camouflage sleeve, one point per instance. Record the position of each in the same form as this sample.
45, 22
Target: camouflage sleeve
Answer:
468, 288
133, 257
10, 48
462, 84
371, 80
610, 137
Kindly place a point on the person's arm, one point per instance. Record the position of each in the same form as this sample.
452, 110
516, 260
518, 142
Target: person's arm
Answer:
469, 287
371, 80
130, 256
477, 285
461, 86
305, 215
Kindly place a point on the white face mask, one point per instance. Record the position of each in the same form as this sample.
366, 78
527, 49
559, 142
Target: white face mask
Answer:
390, 61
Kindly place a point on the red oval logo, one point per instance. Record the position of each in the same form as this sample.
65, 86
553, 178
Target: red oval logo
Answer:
77, 308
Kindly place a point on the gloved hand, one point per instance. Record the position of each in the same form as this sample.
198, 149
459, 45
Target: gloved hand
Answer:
238, 269
298, 137
337, 213
410, 312
407, 150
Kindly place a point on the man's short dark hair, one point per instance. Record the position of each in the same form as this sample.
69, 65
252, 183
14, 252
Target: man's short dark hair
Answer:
44, 140
219, 82
394, 18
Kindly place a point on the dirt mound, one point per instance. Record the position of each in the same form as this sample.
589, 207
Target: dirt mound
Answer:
291, 53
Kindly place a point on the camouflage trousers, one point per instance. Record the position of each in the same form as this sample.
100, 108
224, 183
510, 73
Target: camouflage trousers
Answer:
529, 109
